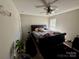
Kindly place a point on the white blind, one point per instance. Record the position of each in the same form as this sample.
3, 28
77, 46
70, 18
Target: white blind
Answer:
53, 22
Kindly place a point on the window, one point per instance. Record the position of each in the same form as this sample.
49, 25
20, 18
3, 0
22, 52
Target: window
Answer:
52, 24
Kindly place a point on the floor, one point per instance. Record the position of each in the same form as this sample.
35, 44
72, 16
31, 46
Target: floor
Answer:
38, 56
68, 50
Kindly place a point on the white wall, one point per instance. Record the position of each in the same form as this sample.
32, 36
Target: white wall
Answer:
28, 20
9, 28
69, 23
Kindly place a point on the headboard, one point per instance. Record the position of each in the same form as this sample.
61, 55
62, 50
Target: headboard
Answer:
37, 26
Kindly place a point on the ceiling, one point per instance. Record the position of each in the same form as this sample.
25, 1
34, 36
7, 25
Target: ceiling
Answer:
29, 6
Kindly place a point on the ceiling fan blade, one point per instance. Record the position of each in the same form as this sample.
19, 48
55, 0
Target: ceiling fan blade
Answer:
40, 6
45, 3
42, 12
54, 7
53, 2
45, 8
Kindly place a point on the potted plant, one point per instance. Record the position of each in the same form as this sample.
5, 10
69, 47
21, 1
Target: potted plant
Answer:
21, 50
19, 46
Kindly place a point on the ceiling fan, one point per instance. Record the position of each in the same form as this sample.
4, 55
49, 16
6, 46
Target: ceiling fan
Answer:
47, 6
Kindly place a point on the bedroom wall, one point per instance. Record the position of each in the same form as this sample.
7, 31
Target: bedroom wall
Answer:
10, 27
69, 23
27, 20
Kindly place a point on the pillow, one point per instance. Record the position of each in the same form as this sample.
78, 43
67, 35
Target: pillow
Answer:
36, 29
41, 29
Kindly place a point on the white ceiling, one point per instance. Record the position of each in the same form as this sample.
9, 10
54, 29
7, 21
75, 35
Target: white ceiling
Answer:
28, 6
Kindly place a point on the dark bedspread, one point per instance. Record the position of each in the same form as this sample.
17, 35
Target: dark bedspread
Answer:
45, 34
49, 37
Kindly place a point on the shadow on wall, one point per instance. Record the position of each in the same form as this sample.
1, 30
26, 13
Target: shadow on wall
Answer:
25, 30
12, 51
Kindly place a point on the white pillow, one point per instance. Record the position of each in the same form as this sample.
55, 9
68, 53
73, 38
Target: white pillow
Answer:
36, 29
41, 29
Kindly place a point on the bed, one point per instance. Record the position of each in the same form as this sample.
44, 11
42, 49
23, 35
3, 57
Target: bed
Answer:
46, 37
47, 41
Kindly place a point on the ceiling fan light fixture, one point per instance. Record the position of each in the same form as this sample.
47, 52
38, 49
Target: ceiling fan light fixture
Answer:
47, 6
